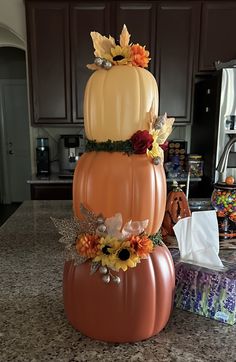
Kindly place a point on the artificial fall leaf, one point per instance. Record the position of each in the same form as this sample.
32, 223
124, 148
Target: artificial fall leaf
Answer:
68, 228
92, 66
101, 43
124, 37
165, 131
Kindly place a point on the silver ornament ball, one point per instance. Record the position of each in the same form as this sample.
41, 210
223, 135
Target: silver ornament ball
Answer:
98, 61
106, 278
100, 220
103, 270
156, 160
116, 280
106, 64
102, 228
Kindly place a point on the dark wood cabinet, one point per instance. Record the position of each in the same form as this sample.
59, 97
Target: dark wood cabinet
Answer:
84, 18
218, 33
140, 18
49, 61
176, 54
51, 191
60, 46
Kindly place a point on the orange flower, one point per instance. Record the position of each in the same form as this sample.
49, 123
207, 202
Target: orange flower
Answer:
87, 245
141, 244
139, 56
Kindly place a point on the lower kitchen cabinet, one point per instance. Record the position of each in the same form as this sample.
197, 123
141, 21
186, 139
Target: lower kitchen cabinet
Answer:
51, 191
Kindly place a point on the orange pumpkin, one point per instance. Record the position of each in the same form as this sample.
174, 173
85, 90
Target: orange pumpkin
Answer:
117, 102
133, 310
111, 183
176, 208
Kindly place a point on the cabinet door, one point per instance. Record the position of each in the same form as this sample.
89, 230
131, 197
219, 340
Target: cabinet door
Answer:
139, 17
51, 191
85, 17
177, 39
49, 61
218, 33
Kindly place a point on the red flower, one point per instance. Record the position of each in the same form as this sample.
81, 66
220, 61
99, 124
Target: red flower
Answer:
141, 141
165, 146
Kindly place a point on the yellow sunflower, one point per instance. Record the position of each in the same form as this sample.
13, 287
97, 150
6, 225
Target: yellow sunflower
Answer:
107, 248
119, 55
125, 257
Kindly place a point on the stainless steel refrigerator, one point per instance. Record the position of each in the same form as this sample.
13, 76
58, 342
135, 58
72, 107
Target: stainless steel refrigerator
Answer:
214, 126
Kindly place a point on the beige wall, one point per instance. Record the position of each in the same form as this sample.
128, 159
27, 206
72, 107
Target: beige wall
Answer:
12, 17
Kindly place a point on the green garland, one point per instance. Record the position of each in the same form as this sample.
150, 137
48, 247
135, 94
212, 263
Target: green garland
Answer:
110, 146
157, 238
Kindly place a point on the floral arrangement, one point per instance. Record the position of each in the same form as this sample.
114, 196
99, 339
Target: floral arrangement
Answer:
105, 243
108, 53
142, 142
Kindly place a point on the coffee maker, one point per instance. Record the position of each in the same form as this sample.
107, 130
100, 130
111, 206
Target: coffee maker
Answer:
68, 154
42, 157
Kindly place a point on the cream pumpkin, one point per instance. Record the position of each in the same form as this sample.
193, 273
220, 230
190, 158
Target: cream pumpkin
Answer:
117, 102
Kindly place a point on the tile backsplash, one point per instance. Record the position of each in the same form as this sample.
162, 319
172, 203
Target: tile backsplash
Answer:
53, 135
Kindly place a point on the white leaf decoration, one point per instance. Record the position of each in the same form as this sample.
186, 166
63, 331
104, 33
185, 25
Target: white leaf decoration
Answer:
124, 37
114, 225
102, 44
134, 228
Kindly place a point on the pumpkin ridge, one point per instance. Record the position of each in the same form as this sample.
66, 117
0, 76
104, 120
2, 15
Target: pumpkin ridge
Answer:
87, 107
89, 165
138, 80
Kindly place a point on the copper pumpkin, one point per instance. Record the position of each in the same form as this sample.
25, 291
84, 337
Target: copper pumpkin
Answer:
176, 208
136, 309
111, 183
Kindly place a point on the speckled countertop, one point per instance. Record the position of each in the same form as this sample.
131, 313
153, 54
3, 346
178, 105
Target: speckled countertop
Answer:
52, 179
33, 327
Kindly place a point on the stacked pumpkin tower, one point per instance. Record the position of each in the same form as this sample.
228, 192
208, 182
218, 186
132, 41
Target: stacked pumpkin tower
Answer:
119, 189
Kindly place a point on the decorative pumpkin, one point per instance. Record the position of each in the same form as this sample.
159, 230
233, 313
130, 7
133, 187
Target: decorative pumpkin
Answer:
133, 310
111, 183
117, 102
176, 208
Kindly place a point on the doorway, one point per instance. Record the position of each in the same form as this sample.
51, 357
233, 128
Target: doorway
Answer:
15, 163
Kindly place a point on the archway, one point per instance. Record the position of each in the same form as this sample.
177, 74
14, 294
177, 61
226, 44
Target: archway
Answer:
15, 163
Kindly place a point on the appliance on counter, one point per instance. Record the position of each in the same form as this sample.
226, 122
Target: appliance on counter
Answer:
42, 157
214, 125
69, 153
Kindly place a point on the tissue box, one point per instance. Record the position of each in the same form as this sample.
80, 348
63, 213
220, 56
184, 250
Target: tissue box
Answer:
206, 292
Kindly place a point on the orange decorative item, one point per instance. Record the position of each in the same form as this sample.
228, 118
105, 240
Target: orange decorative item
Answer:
229, 180
119, 281
176, 208
134, 310
108, 183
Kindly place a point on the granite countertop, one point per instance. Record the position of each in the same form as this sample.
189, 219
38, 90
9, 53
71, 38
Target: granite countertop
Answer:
52, 179
33, 327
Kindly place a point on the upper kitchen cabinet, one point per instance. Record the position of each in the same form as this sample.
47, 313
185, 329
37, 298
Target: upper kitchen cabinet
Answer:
176, 56
49, 61
218, 33
59, 48
84, 18
139, 18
